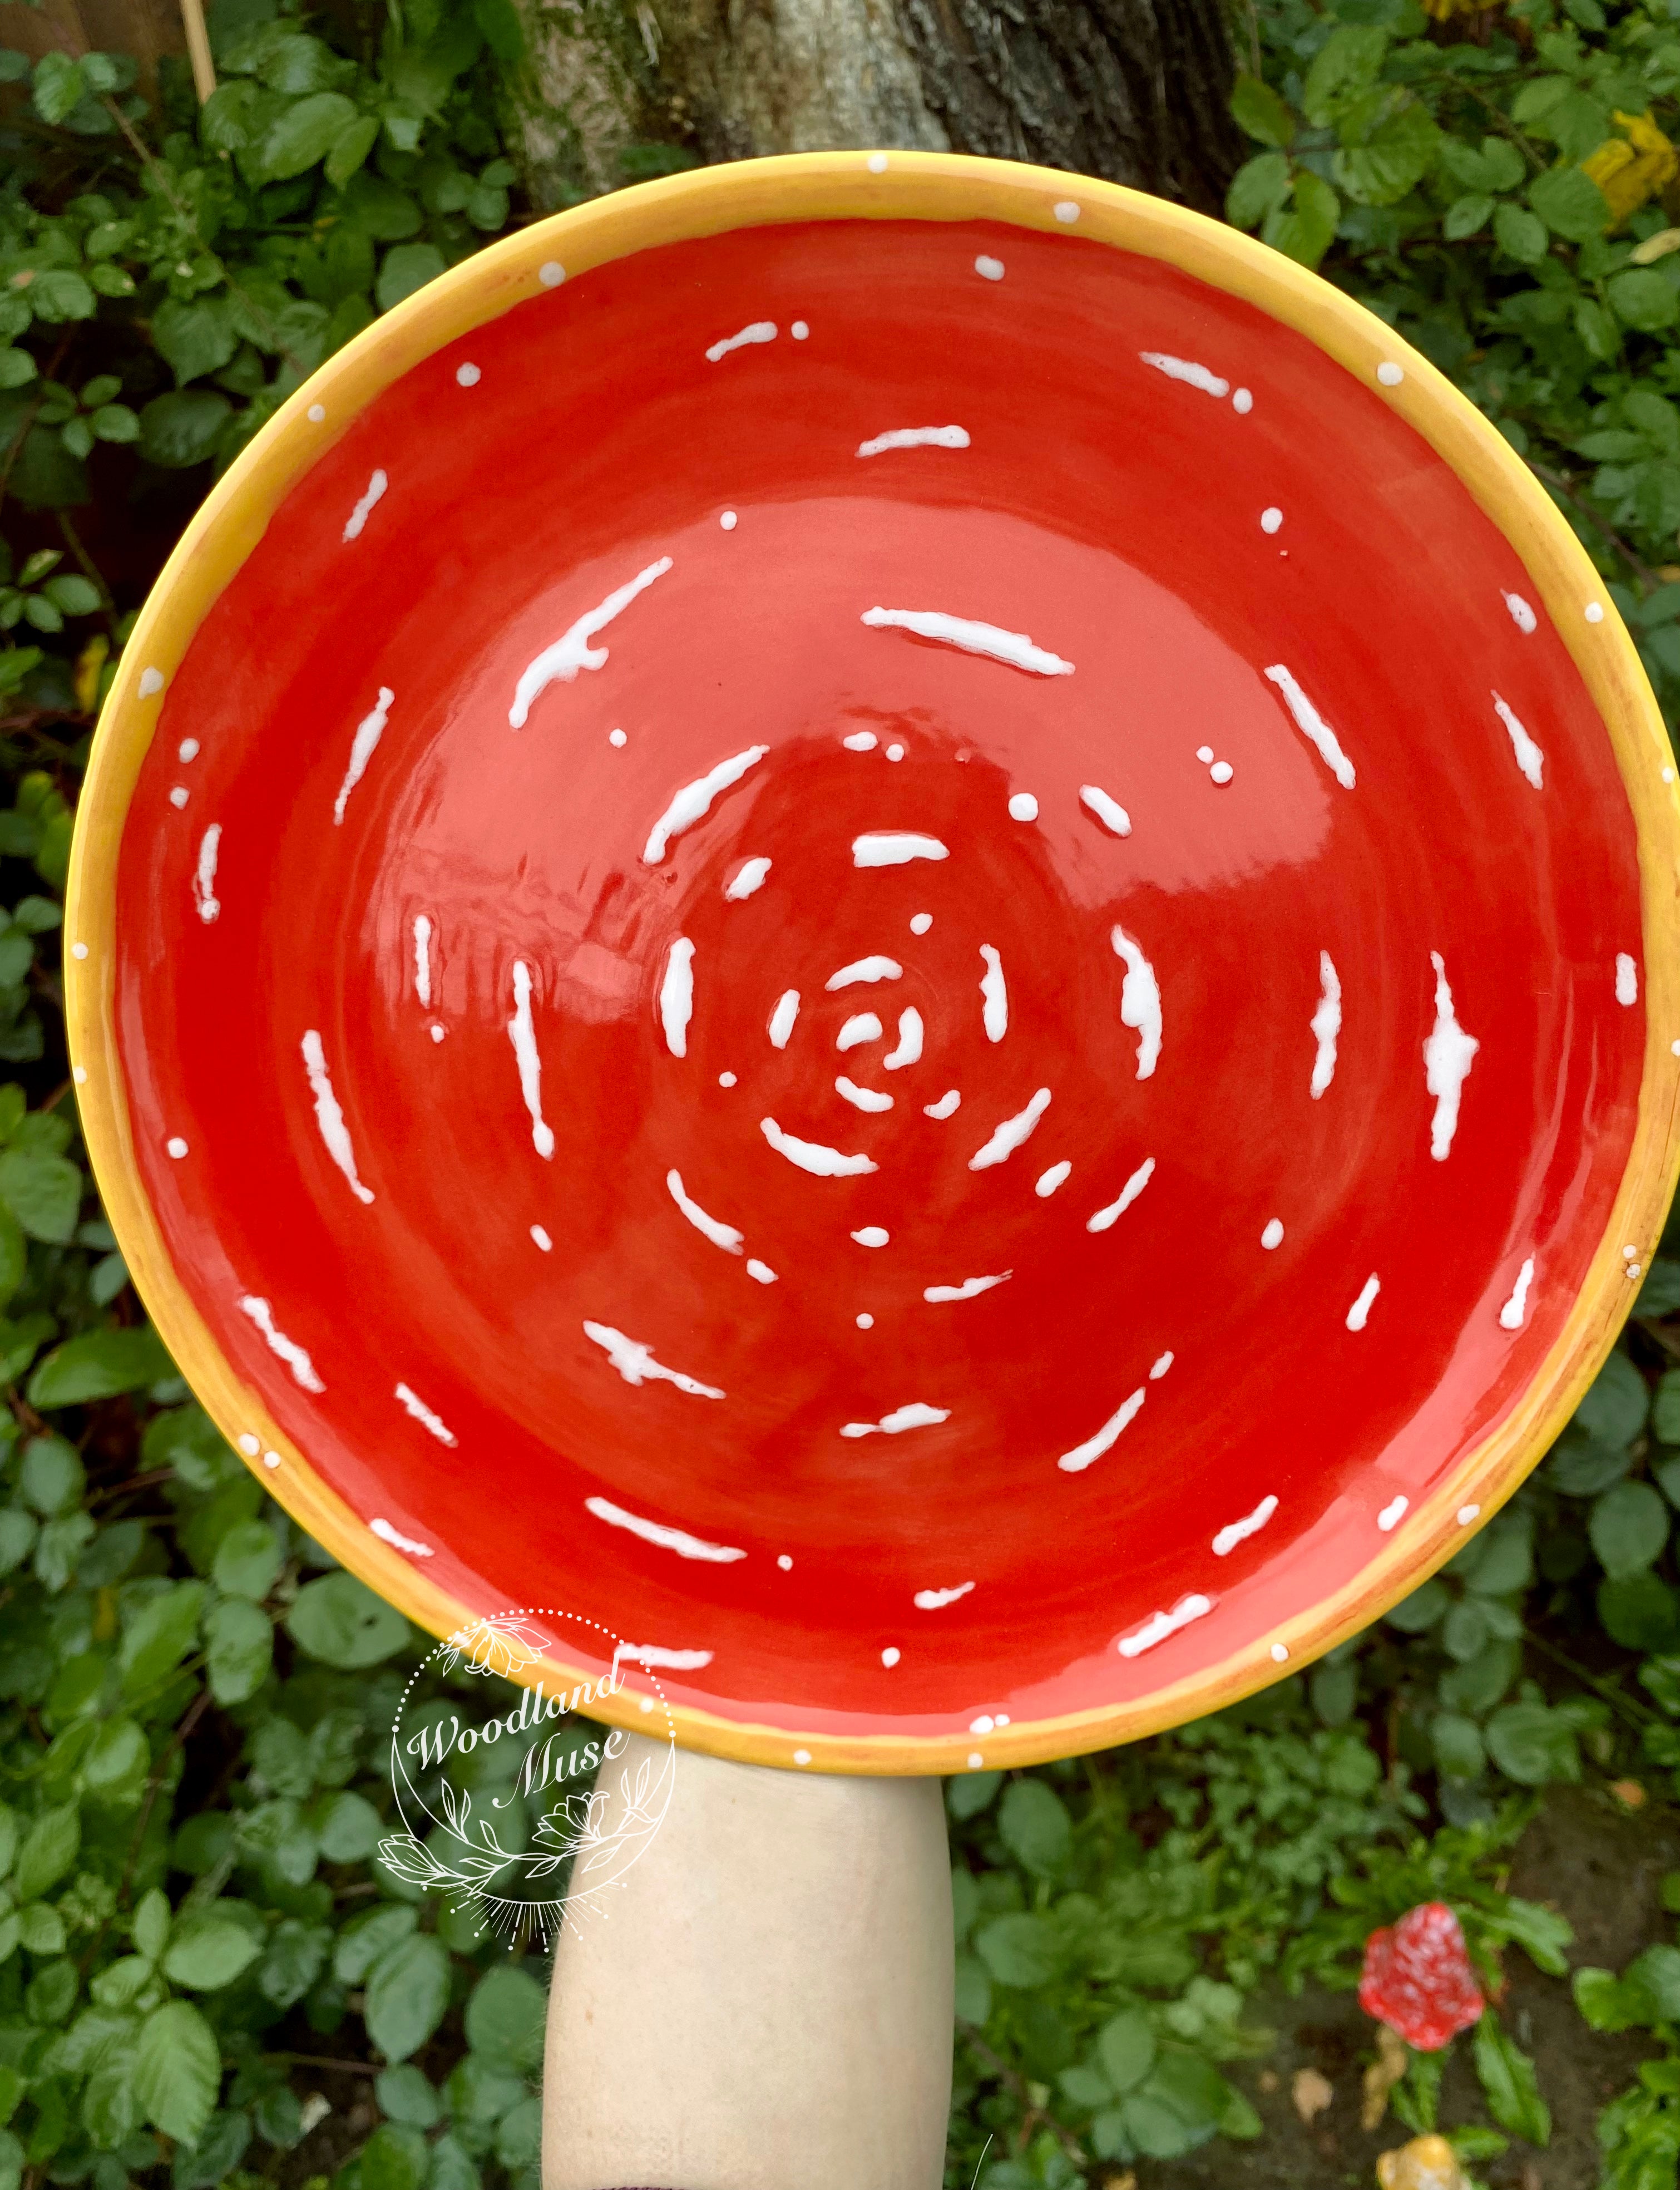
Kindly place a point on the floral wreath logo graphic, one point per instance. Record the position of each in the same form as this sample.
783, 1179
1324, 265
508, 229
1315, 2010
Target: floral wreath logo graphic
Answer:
465, 1835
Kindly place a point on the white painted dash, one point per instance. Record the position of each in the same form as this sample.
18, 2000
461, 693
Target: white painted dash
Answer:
423, 960
1361, 1310
1521, 614
1530, 758
1514, 1312
1238, 1532
721, 1234
1327, 1025
914, 437
1011, 1134
1627, 979
760, 331
1186, 370
387, 1531
636, 1363
936, 1600
364, 508
862, 1026
369, 731
294, 1356
968, 1289
1391, 1514
677, 996
1109, 811
915, 1416
1074, 1462
781, 1019
946, 1107
693, 801
894, 848
572, 651
1448, 1055
204, 880
1160, 1624
813, 1156
862, 1098
329, 1117
750, 878
1013, 648
655, 1532
1139, 1000
414, 1404
910, 1033
994, 996
521, 1033
877, 968
1128, 1194
1313, 726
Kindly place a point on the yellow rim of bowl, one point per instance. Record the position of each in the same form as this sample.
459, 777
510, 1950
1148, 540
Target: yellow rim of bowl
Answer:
892, 186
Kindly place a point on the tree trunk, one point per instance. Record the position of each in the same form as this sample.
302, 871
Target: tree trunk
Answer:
1133, 90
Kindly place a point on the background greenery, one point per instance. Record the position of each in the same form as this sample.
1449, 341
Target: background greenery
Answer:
205, 1972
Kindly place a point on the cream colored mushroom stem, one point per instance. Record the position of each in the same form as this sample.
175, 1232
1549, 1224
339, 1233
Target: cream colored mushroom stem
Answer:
770, 2002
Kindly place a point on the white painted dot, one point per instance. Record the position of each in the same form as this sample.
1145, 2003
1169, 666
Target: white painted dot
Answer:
271, 1460
890, 1655
1273, 1234
1023, 806
895, 752
647, 1703
801, 1757
617, 737
188, 749
1390, 373
1628, 1253
539, 1233
1204, 754
1391, 1514
1271, 519
1003, 1718
176, 1146
729, 520
1280, 1655
317, 412
550, 273
877, 164
1466, 1514
78, 950
1674, 1048
1633, 1269
991, 269
983, 1724
976, 1760
785, 1562
467, 375
435, 1031
799, 331
1241, 402
250, 1446
921, 921
866, 1321
1668, 775
151, 680
178, 797
726, 1080
1050, 1180
873, 1235
1222, 771
1595, 612
78, 1073
1066, 210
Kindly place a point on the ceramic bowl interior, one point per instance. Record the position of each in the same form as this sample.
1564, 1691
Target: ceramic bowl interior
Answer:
902, 951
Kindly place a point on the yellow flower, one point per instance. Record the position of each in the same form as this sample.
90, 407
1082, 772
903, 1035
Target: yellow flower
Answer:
1428, 2162
1631, 169
85, 682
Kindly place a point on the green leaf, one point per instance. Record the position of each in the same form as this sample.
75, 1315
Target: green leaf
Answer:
1305, 231
504, 33
159, 1635
1571, 204
1640, 1612
505, 2018
1347, 64
98, 1365
1628, 1528
349, 1828
1020, 1950
1508, 2079
209, 1952
43, 1192
968, 1796
1392, 160
1643, 298
1258, 187
407, 267
1259, 110
1616, 1403
178, 2070
1520, 235
304, 132
49, 1848
1458, 1744
1178, 2107
1659, 1294
340, 1620
181, 429
1126, 2048
240, 1643
248, 1559
1465, 215
1415, 1614
194, 339
52, 1478
350, 148
58, 295
1533, 1745
1035, 1826
1653, 1979
408, 1990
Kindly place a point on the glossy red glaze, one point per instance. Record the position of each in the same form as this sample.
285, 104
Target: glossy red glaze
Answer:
1112, 513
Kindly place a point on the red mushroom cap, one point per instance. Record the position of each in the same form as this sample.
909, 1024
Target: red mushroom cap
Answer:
1417, 1978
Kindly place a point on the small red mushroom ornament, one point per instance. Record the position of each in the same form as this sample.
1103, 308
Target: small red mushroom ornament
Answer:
1417, 1978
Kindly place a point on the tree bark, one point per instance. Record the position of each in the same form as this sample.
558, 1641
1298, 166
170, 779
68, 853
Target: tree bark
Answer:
1132, 90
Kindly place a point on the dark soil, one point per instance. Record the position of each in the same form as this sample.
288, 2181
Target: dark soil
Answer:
1604, 1867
